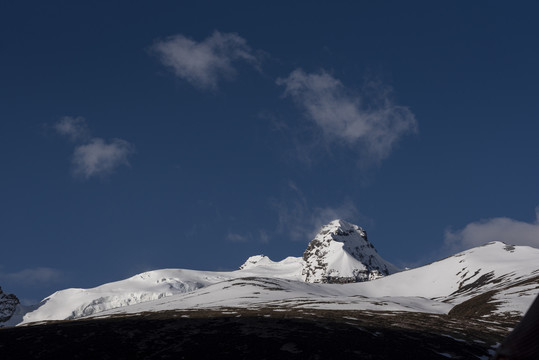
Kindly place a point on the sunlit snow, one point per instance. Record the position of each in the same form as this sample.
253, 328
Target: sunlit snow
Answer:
434, 288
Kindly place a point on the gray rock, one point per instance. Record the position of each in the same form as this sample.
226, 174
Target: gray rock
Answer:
8, 305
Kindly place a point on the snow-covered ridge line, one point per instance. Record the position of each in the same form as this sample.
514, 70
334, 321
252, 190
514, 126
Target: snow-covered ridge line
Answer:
146, 287
435, 288
340, 249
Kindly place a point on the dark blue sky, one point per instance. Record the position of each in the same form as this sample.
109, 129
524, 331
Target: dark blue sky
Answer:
141, 135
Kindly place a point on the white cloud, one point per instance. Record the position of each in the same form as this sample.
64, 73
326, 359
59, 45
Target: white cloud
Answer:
503, 229
369, 121
204, 63
94, 156
98, 157
33, 276
75, 128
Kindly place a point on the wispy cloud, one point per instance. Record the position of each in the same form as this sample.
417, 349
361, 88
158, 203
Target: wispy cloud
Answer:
264, 237
260, 236
299, 221
33, 276
234, 237
75, 128
93, 156
99, 157
369, 120
203, 64
503, 229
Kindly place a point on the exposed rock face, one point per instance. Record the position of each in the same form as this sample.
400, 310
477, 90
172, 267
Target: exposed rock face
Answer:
341, 253
8, 305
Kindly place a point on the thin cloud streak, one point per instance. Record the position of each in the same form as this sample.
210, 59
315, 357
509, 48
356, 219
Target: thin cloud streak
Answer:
33, 276
368, 121
263, 237
237, 238
203, 64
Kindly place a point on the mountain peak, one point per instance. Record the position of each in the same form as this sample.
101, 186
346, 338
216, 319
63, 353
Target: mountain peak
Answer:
340, 227
341, 252
254, 261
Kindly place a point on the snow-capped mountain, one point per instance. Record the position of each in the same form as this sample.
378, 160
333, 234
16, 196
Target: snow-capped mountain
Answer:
341, 253
492, 279
495, 279
152, 285
509, 274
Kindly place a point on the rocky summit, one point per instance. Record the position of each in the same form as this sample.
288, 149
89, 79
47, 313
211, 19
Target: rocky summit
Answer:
8, 305
341, 253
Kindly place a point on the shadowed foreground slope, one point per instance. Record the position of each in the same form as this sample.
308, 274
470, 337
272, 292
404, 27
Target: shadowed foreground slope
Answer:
262, 334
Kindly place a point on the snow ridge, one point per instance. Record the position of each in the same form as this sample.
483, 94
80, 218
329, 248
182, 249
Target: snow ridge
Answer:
255, 261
